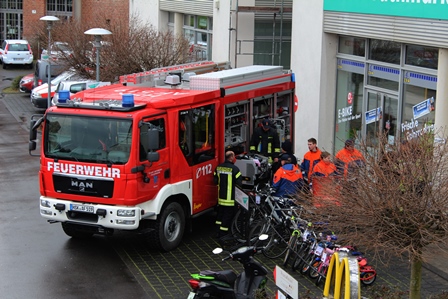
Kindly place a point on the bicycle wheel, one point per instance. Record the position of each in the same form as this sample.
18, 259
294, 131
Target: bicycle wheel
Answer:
321, 274
297, 263
292, 245
314, 269
307, 264
302, 253
278, 242
243, 222
368, 278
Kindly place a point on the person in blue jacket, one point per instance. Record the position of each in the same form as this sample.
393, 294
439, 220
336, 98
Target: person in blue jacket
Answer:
288, 179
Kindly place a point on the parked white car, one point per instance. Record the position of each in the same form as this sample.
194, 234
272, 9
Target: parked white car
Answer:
39, 95
16, 51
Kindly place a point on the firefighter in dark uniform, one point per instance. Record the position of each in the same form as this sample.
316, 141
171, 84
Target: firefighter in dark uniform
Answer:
267, 138
226, 176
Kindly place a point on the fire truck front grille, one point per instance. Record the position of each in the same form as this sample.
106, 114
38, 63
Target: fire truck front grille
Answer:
82, 217
68, 184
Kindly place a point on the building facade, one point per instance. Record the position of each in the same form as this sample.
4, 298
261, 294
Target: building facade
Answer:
362, 67
19, 18
369, 67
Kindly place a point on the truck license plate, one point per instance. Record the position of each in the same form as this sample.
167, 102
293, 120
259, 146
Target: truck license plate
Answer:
81, 208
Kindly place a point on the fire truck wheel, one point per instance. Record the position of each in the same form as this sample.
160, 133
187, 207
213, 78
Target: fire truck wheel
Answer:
170, 226
75, 231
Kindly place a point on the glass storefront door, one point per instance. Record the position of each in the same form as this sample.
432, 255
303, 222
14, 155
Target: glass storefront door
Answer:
381, 117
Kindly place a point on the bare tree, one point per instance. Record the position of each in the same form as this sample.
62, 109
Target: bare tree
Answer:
132, 47
396, 204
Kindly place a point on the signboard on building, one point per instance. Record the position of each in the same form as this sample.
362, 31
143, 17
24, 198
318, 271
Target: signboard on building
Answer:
427, 9
423, 108
373, 115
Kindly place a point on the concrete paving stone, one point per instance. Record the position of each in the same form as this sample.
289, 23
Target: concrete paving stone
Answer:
166, 275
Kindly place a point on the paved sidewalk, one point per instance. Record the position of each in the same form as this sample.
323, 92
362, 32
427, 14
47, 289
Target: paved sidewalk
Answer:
18, 108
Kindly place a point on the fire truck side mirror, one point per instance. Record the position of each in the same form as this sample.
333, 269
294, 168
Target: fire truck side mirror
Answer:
33, 131
153, 156
153, 139
31, 145
153, 145
34, 126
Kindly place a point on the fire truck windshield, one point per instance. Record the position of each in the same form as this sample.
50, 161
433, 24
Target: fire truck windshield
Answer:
87, 139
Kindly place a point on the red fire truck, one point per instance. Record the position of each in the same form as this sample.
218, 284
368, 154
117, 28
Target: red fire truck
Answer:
139, 155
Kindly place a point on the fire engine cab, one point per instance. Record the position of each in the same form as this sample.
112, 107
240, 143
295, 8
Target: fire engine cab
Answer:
139, 155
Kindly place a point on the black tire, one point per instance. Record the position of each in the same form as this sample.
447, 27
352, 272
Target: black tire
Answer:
76, 231
297, 263
301, 256
319, 279
169, 227
368, 278
278, 242
239, 225
256, 231
307, 264
313, 272
292, 244
4, 66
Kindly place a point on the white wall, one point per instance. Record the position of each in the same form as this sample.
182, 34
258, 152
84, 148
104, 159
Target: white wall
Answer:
221, 43
314, 64
246, 31
147, 11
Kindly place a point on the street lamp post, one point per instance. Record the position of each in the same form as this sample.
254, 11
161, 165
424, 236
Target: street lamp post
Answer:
49, 20
97, 33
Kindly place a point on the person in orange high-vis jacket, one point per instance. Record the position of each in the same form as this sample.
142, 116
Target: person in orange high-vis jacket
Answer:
322, 180
311, 158
349, 158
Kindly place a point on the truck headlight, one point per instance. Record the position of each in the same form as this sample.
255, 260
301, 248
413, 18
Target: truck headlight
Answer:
45, 203
126, 213
46, 212
126, 222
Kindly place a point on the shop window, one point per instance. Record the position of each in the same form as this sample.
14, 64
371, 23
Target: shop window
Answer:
418, 111
171, 17
422, 56
269, 50
384, 77
199, 36
385, 51
352, 45
349, 98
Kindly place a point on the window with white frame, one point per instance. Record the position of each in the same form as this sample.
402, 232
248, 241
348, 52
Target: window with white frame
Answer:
198, 30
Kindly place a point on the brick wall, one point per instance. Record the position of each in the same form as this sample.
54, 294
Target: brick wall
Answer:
32, 12
98, 12
104, 11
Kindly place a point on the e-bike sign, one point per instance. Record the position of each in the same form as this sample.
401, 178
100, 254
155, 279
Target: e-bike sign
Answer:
343, 270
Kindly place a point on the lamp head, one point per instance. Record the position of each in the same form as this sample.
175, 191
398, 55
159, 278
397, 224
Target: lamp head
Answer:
49, 20
97, 33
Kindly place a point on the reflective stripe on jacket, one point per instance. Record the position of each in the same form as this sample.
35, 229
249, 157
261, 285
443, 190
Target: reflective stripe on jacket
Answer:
226, 176
267, 143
